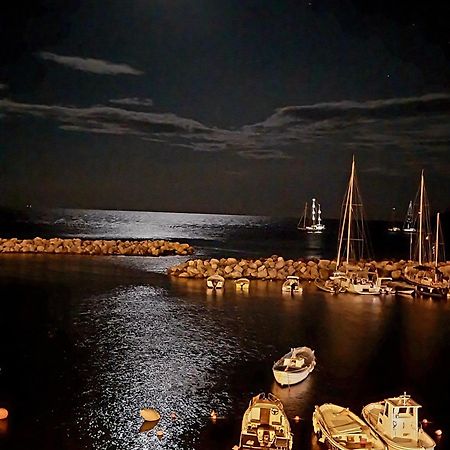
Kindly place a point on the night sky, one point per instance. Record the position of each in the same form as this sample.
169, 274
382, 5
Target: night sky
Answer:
223, 106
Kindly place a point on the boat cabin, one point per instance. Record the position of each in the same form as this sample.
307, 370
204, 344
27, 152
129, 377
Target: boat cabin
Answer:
400, 418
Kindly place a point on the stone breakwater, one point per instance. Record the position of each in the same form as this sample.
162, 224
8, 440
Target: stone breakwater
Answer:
278, 268
94, 247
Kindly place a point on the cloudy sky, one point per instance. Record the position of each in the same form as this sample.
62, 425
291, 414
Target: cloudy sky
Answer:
223, 106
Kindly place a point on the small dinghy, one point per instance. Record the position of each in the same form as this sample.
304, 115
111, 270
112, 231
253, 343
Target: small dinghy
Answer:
331, 286
265, 425
294, 366
341, 429
292, 285
242, 284
396, 421
215, 282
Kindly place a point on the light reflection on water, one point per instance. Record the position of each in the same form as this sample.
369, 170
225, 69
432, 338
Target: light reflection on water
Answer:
151, 350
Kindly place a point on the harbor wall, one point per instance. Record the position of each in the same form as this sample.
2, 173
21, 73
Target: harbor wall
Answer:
278, 268
94, 247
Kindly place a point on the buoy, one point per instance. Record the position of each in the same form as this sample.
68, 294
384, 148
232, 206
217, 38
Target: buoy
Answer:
296, 418
438, 432
3, 413
173, 415
213, 415
425, 421
235, 447
150, 414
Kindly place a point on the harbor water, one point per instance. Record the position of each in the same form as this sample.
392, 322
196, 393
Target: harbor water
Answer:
87, 341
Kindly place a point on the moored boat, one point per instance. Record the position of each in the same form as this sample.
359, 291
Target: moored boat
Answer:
292, 285
265, 425
294, 366
332, 286
242, 284
215, 282
342, 429
396, 421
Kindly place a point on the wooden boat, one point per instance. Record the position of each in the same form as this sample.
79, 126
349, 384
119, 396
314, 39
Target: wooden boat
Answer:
396, 421
215, 282
294, 366
341, 429
311, 223
426, 277
265, 425
292, 285
331, 286
242, 284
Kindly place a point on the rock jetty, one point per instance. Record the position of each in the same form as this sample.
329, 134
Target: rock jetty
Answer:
94, 247
278, 268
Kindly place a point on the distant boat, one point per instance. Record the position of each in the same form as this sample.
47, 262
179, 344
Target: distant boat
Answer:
311, 222
294, 366
393, 225
408, 225
396, 421
265, 425
242, 284
426, 277
342, 429
292, 285
215, 282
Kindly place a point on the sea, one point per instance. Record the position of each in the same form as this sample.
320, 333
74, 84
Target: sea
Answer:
88, 341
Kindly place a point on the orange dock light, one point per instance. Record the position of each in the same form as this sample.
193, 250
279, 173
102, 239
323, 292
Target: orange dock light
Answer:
3, 413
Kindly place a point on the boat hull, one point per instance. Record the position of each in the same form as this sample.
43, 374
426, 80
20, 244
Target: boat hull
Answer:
265, 425
424, 441
287, 376
341, 429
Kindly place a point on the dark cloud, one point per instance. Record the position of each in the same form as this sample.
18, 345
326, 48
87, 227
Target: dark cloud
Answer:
133, 101
91, 65
411, 124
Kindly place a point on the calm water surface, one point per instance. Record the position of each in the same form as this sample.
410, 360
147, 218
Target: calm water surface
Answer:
88, 341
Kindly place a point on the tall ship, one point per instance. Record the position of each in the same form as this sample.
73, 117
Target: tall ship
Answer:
311, 221
265, 425
396, 421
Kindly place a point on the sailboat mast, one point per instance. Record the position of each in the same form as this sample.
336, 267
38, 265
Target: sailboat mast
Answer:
304, 215
436, 245
350, 208
421, 217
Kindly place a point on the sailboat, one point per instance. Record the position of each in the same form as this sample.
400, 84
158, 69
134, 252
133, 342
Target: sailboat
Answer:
352, 244
408, 225
426, 277
313, 223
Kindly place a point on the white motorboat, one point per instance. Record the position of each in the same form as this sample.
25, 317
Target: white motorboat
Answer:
265, 425
342, 429
242, 284
312, 223
396, 421
292, 285
215, 282
294, 366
